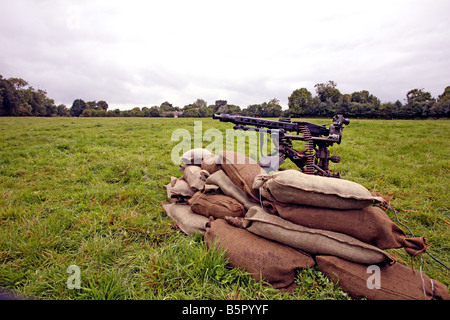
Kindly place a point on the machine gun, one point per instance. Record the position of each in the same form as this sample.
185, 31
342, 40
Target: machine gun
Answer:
314, 159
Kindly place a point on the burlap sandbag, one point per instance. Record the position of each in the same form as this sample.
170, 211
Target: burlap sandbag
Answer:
271, 261
210, 164
371, 225
188, 221
195, 156
242, 170
313, 241
178, 190
295, 187
194, 176
220, 179
397, 282
216, 205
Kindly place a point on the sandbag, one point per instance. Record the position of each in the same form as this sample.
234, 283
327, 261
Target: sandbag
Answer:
371, 225
220, 179
264, 259
178, 190
210, 164
242, 170
295, 187
396, 282
310, 240
216, 205
194, 176
195, 156
188, 221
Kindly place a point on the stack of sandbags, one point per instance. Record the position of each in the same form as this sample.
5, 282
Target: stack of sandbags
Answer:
295, 187
272, 225
262, 258
192, 201
314, 241
204, 190
381, 281
336, 205
337, 222
370, 225
213, 188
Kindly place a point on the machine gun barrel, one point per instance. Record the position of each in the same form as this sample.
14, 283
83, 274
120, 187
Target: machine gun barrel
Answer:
286, 125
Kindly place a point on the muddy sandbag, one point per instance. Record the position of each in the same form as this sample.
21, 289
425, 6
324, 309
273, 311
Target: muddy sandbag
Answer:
195, 156
242, 170
371, 225
396, 282
295, 187
216, 205
220, 179
210, 164
194, 176
188, 221
178, 190
310, 240
271, 261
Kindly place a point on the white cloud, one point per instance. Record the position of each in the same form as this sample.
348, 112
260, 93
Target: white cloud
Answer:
138, 53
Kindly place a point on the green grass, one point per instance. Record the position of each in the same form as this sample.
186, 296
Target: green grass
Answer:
88, 192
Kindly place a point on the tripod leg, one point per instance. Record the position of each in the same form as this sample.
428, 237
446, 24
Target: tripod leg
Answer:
273, 160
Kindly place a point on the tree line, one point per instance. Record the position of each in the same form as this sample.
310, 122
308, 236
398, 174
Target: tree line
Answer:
18, 98
362, 104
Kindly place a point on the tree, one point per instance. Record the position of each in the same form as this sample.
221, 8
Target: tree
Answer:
232, 109
41, 105
220, 106
205, 112
92, 105
88, 112
18, 83
444, 96
252, 110
418, 95
265, 109
78, 107
344, 104
299, 102
62, 111
166, 106
199, 103
418, 103
442, 106
17, 98
9, 98
136, 112
271, 108
154, 111
189, 112
328, 92
114, 113
102, 105
365, 96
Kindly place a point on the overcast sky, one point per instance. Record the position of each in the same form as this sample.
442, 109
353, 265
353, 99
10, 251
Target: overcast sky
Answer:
142, 53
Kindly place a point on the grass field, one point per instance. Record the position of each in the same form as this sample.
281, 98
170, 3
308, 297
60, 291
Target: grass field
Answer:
88, 192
